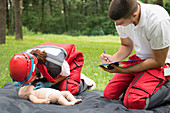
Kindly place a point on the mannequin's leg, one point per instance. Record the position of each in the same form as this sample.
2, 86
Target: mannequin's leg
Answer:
70, 97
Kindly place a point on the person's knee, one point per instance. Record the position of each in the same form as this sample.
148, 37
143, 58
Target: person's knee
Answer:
110, 94
106, 95
134, 102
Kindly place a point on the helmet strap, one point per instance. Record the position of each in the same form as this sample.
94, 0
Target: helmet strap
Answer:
43, 69
32, 66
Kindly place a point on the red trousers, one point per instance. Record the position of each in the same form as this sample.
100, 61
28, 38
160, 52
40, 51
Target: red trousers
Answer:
137, 86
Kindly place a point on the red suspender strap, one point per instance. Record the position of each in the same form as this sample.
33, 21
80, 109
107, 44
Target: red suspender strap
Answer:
44, 71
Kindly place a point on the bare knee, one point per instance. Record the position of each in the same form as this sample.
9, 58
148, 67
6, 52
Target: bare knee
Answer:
55, 97
65, 92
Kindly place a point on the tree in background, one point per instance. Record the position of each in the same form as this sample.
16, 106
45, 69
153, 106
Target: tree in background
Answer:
2, 21
71, 17
42, 16
145, 1
65, 15
10, 17
18, 22
159, 2
167, 5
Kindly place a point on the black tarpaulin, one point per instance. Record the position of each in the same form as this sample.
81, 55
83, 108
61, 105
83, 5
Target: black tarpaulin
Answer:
93, 102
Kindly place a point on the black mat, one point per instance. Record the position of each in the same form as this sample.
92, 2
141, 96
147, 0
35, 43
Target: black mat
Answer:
92, 103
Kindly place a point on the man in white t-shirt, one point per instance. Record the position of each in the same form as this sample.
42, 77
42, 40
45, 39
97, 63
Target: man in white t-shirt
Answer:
146, 28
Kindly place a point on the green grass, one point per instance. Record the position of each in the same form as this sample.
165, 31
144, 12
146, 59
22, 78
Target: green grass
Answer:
90, 46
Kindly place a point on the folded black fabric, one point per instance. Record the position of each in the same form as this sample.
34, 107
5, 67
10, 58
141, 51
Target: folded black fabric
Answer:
93, 102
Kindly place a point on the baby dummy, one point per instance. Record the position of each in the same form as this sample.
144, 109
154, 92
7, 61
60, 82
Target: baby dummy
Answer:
47, 95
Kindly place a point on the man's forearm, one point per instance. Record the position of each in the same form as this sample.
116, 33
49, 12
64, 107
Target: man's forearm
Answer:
147, 64
122, 53
59, 79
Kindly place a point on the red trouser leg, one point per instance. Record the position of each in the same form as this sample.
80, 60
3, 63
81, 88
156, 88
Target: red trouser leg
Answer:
117, 85
139, 86
143, 85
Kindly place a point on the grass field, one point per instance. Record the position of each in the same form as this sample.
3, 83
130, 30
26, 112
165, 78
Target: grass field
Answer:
91, 47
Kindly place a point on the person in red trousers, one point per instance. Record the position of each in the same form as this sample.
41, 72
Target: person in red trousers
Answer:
144, 28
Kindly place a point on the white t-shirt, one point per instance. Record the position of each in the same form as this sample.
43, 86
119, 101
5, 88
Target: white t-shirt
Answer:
152, 31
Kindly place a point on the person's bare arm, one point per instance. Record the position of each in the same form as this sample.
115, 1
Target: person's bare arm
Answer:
157, 61
59, 79
124, 51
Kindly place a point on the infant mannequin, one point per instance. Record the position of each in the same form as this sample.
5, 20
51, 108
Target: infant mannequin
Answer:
47, 95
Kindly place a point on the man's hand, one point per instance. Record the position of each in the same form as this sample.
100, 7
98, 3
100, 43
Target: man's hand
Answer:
112, 68
105, 58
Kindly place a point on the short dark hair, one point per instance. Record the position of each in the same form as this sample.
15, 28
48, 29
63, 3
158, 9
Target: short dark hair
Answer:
122, 9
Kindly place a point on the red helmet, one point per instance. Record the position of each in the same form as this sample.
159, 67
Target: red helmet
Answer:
22, 67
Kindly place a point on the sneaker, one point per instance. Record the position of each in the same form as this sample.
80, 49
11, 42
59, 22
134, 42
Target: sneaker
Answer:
90, 83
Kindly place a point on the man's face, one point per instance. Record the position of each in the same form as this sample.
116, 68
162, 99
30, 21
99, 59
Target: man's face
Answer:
123, 22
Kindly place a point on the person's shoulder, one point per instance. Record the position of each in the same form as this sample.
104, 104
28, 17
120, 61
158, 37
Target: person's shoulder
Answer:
155, 12
154, 15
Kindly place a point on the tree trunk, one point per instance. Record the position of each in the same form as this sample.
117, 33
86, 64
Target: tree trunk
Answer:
18, 23
145, 1
51, 7
65, 15
102, 5
97, 6
85, 8
82, 11
70, 16
7, 17
159, 2
11, 26
26, 3
42, 16
2, 21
